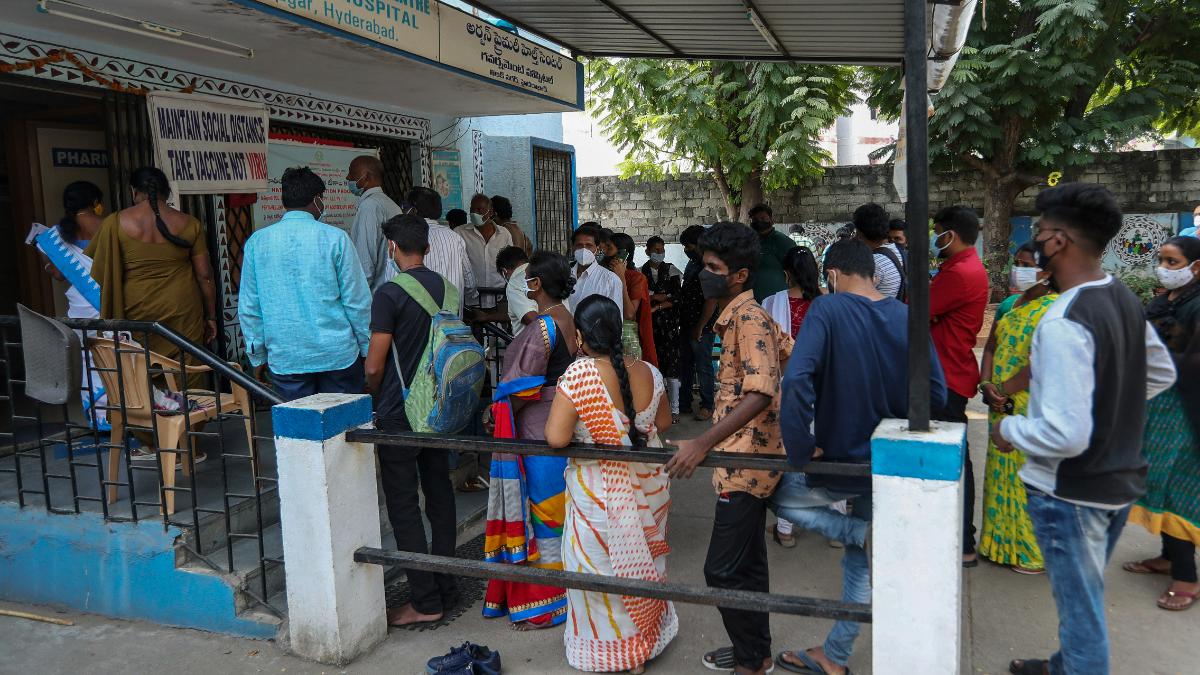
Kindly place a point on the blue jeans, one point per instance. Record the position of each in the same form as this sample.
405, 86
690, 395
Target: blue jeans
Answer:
696, 365
1077, 542
856, 587
808, 508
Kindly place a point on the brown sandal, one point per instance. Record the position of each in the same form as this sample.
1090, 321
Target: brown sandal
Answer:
1189, 599
1140, 567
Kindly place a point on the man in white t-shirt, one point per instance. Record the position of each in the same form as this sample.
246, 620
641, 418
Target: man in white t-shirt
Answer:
592, 278
871, 226
447, 251
512, 263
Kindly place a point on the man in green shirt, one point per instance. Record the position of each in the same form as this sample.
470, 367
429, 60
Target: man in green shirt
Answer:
773, 246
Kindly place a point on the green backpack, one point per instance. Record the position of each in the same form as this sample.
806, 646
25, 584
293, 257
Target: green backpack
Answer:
444, 394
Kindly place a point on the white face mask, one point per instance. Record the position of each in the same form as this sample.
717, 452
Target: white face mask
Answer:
476, 219
584, 257
657, 257
1173, 279
1023, 278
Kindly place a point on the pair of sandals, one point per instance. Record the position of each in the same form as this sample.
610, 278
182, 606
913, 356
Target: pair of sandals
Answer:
1172, 601
722, 660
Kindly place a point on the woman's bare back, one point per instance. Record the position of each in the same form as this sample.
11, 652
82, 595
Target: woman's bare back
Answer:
138, 222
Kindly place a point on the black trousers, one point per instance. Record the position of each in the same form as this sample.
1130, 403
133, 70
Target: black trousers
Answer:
737, 559
403, 469
1182, 554
956, 411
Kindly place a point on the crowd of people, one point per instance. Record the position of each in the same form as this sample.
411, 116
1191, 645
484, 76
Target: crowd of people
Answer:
606, 353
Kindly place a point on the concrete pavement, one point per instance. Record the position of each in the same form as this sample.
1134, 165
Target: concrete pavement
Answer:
1008, 616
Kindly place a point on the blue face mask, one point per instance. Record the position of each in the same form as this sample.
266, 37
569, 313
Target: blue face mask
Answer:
354, 188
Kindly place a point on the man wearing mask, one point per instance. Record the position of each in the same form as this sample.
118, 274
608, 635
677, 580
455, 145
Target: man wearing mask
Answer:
696, 317
592, 278
958, 296
364, 179
447, 251
773, 246
311, 329
1094, 363
485, 239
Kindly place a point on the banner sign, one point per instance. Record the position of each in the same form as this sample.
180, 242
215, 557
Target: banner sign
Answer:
476, 46
209, 145
449, 36
330, 162
447, 178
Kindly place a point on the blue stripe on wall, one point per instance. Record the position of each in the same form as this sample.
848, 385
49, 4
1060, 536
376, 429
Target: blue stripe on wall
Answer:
124, 570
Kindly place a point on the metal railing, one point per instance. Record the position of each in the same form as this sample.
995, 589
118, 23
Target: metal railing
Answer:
703, 595
60, 458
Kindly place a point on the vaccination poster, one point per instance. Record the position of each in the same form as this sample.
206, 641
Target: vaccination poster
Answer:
447, 178
330, 162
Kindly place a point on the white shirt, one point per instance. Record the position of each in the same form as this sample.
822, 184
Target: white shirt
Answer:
374, 209
483, 259
597, 280
518, 303
448, 257
887, 276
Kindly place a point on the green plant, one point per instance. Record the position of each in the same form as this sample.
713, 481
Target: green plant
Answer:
1144, 286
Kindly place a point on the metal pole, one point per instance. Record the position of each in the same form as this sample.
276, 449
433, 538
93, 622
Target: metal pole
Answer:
916, 212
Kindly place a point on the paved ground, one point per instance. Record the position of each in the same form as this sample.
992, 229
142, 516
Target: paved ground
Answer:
1008, 616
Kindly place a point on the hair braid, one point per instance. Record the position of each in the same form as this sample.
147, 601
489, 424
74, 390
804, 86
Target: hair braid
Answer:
617, 354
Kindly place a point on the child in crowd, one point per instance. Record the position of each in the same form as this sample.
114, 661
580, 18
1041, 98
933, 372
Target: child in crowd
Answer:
746, 420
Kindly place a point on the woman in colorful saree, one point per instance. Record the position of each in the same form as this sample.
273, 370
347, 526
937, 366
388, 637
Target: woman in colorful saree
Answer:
525, 495
616, 521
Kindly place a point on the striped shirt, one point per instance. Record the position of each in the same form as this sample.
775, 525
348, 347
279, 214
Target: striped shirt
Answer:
887, 275
448, 257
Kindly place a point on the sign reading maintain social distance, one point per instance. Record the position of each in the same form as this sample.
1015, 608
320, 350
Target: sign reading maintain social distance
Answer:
209, 145
446, 35
330, 162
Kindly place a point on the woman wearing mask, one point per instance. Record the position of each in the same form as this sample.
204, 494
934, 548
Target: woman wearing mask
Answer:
526, 505
639, 324
665, 280
616, 522
151, 262
1171, 443
1007, 537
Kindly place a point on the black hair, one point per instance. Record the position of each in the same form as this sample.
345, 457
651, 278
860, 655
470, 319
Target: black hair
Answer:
759, 208
655, 240
599, 322
554, 272
426, 201
153, 183
588, 229
591, 223
691, 235
1088, 209
502, 207
801, 266
408, 231
846, 231
1188, 246
851, 256
1027, 247
605, 235
961, 220
735, 245
456, 217
78, 196
871, 222
897, 224
510, 257
625, 246
299, 186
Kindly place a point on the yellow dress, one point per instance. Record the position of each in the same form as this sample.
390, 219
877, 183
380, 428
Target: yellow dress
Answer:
1007, 536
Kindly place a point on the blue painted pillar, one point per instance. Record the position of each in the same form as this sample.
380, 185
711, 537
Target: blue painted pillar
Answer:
916, 548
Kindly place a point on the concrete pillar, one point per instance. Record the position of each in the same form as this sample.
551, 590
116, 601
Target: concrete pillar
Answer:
329, 508
844, 127
916, 548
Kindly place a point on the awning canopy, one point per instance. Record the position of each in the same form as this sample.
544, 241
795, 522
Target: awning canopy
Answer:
839, 31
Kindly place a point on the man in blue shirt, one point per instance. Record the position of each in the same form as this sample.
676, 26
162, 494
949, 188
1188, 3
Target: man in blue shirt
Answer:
304, 303
848, 371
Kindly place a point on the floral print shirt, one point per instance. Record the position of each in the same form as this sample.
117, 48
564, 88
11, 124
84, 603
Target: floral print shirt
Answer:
754, 352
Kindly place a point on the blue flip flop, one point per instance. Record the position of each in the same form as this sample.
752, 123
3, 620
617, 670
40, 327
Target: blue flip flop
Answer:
810, 666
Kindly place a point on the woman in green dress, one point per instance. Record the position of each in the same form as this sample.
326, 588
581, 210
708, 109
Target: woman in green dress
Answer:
1171, 443
1007, 537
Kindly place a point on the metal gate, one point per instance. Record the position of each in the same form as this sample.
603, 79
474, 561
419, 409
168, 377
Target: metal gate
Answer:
554, 207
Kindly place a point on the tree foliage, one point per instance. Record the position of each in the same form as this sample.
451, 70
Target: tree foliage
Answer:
752, 126
1049, 82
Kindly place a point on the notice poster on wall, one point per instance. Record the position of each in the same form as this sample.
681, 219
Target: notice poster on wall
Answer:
330, 162
209, 145
447, 178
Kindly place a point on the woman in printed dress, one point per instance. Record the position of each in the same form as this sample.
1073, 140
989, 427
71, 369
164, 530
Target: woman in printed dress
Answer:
526, 500
616, 522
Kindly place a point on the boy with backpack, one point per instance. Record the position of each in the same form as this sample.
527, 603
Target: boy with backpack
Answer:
424, 370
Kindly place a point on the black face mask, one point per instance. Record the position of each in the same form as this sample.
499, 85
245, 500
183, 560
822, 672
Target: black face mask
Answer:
713, 285
1039, 248
762, 226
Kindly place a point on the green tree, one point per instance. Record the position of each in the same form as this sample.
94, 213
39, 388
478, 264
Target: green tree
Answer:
752, 126
1049, 82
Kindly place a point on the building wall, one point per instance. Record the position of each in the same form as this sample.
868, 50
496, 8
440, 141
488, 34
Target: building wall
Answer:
1165, 181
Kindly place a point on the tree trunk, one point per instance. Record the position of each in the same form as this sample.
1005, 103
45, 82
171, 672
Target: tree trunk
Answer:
722, 182
752, 194
999, 195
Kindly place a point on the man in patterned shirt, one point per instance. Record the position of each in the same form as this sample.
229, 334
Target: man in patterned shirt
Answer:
746, 420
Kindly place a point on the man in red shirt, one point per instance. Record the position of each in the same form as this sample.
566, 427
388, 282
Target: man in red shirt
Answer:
958, 296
